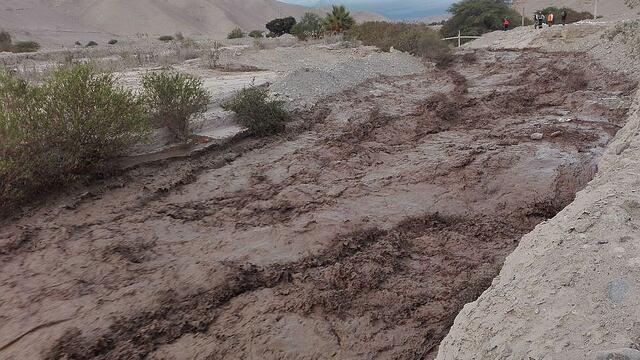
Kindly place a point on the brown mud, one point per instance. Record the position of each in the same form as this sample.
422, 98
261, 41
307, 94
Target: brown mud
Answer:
359, 234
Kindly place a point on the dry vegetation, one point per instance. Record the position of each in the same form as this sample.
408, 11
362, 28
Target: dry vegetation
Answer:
416, 39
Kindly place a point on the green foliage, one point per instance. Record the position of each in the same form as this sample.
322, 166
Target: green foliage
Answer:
256, 34
309, 26
91, 44
112, 42
476, 17
166, 38
172, 99
416, 39
63, 129
281, 26
572, 15
26, 46
5, 41
236, 33
338, 20
257, 113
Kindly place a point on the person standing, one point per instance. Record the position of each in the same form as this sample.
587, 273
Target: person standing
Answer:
505, 24
550, 19
563, 16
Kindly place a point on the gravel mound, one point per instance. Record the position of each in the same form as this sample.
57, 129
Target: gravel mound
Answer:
303, 88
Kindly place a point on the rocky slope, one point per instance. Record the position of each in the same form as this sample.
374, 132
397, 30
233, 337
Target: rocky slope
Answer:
570, 290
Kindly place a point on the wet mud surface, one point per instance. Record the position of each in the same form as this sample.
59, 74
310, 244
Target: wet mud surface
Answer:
359, 234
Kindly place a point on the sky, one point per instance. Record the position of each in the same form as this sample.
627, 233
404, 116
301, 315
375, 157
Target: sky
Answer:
394, 9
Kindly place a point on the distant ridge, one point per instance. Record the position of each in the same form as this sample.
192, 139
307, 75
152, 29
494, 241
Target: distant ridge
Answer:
60, 21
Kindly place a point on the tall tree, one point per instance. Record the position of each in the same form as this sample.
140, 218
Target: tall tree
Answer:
338, 20
476, 17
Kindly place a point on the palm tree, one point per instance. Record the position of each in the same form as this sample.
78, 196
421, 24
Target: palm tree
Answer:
338, 20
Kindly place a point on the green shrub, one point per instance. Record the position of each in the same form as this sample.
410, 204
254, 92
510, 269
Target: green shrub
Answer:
309, 26
281, 26
236, 33
63, 129
172, 99
257, 113
112, 42
416, 39
5, 41
91, 44
476, 17
166, 38
338, 20
256, 34
213, 55
26, 46
572, 15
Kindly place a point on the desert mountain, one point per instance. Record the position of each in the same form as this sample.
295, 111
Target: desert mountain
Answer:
57, 20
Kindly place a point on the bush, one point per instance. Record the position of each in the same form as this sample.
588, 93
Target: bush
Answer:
91, 44
166, 38
256, 34
236, 33
632, 3
282, 26
572, 15
64, 129
416, 39
338, 20
213, 55
309, 26
26, 46
476, 17
78, 43
257, 113
178, 36
5, 41
172, 99
112, 42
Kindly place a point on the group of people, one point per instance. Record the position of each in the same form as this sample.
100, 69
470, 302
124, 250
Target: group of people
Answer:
539, 19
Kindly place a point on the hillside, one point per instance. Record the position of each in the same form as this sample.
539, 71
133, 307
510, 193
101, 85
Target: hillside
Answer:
609, 9
61, 21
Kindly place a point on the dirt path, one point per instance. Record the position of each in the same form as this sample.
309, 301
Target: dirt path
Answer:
360, 234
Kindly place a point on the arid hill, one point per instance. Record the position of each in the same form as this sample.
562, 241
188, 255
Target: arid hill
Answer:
60, 21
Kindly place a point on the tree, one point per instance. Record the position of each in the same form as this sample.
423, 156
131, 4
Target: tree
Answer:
476, 17
338, 20
282, 26
309, 26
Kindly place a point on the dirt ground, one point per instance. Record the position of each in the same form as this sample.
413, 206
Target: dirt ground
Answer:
358, 234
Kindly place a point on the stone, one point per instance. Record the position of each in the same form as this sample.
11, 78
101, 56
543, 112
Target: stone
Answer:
618, 290
537, 136
618, 354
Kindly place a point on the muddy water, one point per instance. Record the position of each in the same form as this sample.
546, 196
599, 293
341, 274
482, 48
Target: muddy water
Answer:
359, 234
